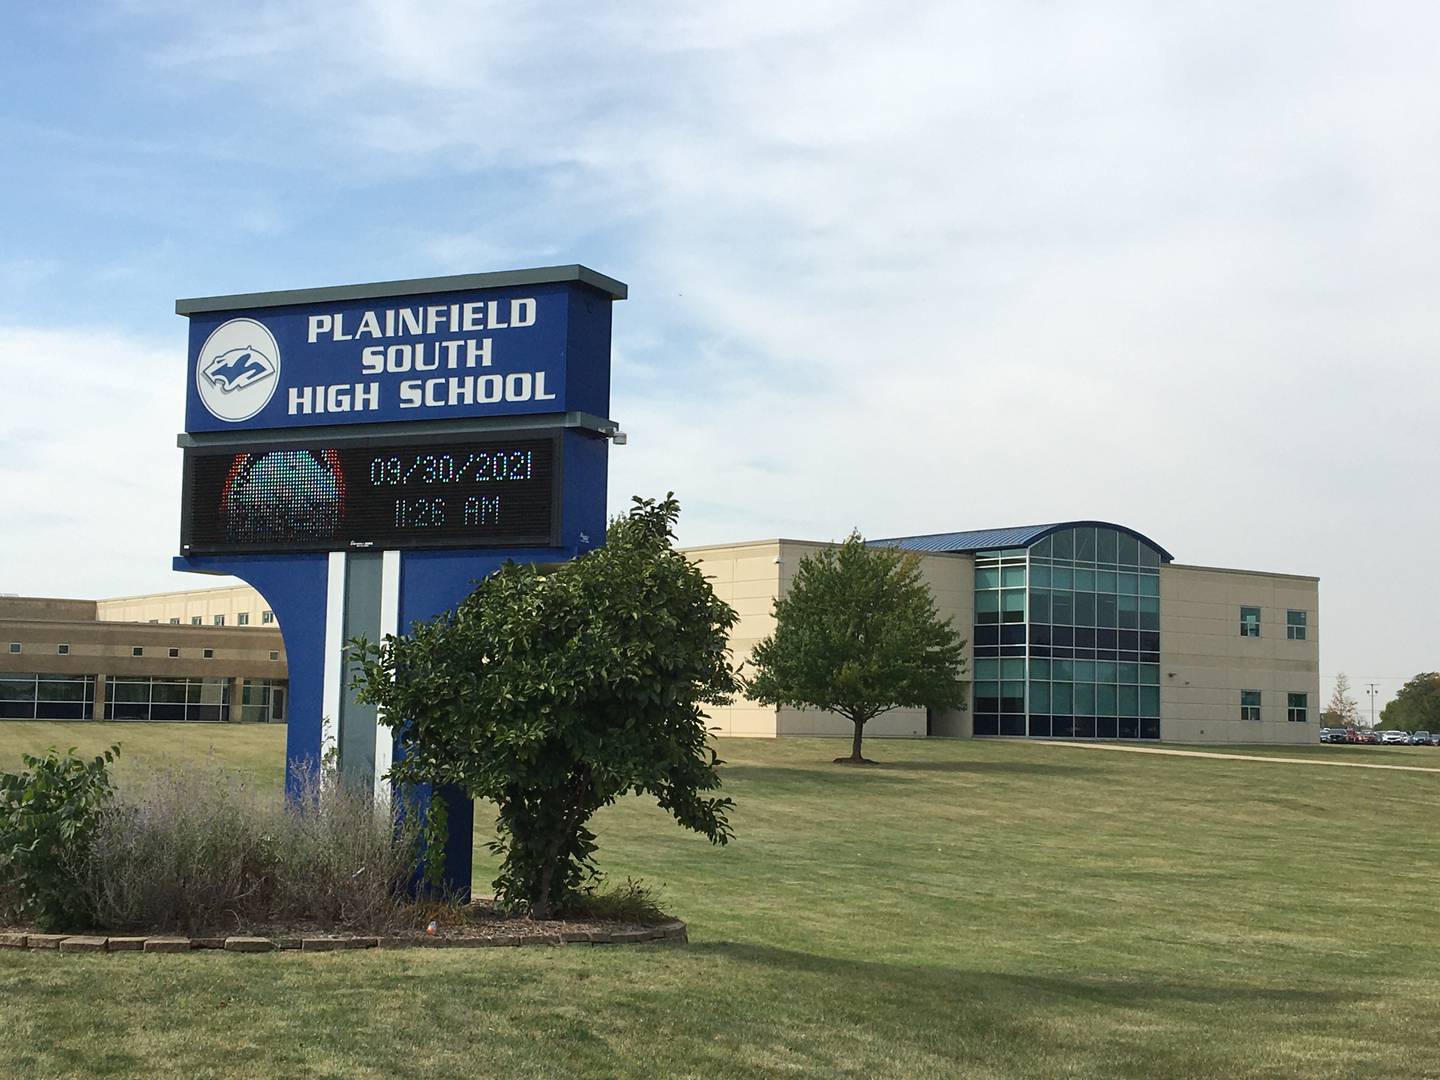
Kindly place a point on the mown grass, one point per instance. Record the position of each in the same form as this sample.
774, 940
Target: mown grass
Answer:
977, 909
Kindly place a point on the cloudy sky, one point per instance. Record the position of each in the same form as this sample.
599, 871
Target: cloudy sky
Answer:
909, 268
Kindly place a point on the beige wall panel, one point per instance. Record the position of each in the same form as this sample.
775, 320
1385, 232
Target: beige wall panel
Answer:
229, 601
951, 579
755, 568
719, 571
897, 723
762, 605
1205, 663
953, 725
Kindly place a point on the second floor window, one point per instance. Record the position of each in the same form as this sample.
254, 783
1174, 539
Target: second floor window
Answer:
1295, 625
1249, 622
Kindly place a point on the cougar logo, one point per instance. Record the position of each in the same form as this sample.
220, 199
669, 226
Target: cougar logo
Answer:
237, 368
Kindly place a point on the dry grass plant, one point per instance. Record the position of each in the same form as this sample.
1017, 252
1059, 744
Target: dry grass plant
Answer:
201, 848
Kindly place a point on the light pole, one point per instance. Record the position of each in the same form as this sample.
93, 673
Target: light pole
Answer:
1372, 689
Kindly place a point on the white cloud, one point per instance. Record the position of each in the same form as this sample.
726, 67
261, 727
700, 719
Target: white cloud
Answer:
89, 470
940, 265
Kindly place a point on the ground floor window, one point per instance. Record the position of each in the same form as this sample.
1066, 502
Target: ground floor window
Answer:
148, 698
1068, 726
262, 701
47, 697
1298, 708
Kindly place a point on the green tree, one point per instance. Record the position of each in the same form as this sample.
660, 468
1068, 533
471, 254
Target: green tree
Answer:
554, 692
857, 633
1416, 707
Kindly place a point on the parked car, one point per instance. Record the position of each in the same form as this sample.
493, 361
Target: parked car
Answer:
1421, 738
1395, 738
1372, 737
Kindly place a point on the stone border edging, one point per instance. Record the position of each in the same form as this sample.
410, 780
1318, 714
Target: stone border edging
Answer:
673, 931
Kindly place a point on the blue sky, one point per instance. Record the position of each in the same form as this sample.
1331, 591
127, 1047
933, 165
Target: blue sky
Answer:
940, 266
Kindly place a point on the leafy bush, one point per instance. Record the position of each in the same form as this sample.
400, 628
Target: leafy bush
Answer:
200, 849
552, 692
49, 812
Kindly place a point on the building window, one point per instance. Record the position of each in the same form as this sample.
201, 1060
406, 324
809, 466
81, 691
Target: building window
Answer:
243, 619
1295, 625
14, 646
219, 620
62, 650
274, 654
174, 654
196, 620
47, 697
174, 622
1249, 622
137, 650
152, 621
1297, 708
208, 654
267, 617
146, 698
1249, 704
1067, 637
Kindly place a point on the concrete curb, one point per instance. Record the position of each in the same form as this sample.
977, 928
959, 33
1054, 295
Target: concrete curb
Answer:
673, 932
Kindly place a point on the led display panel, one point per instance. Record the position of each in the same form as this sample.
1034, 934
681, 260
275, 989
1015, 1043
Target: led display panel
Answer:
466, 493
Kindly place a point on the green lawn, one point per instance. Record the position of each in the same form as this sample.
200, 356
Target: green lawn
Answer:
975, 909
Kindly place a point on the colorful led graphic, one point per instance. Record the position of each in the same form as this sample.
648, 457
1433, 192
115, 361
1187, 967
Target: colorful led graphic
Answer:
471, 494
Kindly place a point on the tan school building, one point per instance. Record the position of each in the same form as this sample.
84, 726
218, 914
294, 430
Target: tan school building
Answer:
1075, 630
173, 657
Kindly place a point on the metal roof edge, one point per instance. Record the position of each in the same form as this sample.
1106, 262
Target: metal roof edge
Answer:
540, 275
1238, 570
1032, 534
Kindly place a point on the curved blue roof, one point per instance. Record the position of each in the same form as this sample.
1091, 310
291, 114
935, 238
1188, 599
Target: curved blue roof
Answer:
1016, 536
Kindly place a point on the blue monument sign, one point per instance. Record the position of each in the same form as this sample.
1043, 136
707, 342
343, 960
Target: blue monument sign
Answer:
363, 454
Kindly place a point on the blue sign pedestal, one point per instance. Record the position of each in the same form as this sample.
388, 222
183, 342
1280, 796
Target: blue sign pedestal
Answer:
341, 458
323, 715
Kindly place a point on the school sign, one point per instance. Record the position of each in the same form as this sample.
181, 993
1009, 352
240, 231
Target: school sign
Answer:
362, 454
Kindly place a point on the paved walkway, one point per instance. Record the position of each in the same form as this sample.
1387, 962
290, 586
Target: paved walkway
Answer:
1227, 757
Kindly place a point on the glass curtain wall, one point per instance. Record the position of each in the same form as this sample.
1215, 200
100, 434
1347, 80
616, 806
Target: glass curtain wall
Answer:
47, 697
261, 700
146, 698
1067, 637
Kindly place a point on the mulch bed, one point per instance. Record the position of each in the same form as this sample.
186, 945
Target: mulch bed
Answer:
475, 925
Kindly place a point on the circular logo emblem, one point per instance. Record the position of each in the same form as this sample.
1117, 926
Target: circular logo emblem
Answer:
238, 370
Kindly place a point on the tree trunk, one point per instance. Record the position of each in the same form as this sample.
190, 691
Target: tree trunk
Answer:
540, 905
856, 758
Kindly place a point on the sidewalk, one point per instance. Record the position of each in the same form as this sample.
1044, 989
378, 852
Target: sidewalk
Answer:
1225, 757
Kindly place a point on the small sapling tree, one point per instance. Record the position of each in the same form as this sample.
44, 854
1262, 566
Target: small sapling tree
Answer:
857, 633
552, 693
1343, 710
